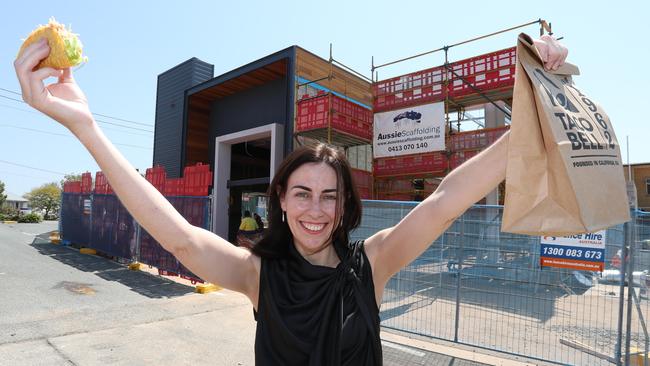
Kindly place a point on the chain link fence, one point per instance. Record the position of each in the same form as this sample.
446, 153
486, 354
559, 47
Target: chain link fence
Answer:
479, 286
474, 285
101, 222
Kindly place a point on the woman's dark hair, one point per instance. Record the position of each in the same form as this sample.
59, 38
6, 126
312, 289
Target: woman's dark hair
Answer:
247, 213
278, 237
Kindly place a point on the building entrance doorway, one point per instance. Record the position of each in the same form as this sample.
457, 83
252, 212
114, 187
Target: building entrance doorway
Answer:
245, 162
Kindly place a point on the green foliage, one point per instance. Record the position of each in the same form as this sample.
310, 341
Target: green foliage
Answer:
3, 196
45, 198
30, 218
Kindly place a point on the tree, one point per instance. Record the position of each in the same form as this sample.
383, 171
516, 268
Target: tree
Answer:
3, 196
46, 198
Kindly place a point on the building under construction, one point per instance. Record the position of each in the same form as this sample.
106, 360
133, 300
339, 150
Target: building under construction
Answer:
243, 122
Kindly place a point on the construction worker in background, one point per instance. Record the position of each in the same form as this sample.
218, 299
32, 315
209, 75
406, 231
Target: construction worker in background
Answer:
248, 223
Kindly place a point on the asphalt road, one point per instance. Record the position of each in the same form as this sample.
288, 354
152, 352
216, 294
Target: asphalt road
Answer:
60, 307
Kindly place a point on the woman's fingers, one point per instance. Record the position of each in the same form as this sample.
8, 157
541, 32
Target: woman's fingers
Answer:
24, 65
66, 76
37, 86
29, 50
553, 54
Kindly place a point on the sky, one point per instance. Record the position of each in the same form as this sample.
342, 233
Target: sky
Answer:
129, 43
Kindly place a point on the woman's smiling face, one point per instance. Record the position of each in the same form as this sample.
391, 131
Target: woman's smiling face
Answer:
310, 205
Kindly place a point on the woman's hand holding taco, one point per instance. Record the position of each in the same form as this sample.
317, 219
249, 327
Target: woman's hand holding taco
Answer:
63, 100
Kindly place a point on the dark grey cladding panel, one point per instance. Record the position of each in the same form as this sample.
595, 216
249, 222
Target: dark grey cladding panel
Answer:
168, 136
254, 107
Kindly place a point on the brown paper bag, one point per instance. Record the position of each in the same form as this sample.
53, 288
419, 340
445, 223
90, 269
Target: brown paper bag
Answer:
564, 173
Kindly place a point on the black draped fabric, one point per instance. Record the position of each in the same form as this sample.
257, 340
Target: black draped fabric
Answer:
316, 315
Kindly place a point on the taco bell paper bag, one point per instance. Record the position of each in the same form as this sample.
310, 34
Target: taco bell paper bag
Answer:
564, 174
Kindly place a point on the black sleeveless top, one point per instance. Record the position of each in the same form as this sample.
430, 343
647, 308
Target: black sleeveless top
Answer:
316, 315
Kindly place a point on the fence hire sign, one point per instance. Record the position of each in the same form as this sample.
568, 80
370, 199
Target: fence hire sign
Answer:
410, 130
584, 252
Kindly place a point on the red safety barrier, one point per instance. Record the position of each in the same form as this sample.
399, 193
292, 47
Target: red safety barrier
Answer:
435, 162
86, 183
477, 139
348, 117
174, 187
101, 184
197, 180
157, 176
72, 187
459, 157
492, 71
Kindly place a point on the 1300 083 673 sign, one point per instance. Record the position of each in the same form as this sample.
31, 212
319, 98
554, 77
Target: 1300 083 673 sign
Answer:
581, 252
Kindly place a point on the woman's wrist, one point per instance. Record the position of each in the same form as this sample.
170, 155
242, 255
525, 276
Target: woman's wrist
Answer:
86, 131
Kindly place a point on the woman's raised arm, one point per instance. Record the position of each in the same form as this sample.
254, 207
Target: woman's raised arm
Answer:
393, 248
209, 256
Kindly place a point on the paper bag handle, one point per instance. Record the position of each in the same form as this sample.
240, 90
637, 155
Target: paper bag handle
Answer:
565, 69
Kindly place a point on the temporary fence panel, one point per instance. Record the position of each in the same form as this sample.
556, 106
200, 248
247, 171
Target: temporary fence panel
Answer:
196, 212
478, 286
75, 221
101, 222
114, 230
492, 71
639, 299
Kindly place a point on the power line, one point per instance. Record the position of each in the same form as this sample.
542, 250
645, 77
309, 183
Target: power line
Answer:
31, 167
65, 135
22, 175
96, 119
96, 114
105, 128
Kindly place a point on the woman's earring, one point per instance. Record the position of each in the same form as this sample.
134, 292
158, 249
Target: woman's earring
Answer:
284, 216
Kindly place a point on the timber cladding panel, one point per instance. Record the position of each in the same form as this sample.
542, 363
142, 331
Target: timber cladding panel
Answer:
312, 67
641, 174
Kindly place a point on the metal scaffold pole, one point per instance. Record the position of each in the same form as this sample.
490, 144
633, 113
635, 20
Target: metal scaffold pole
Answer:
543, 26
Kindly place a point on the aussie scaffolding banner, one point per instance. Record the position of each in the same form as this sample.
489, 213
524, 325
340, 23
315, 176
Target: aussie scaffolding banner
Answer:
410, 130
584, 252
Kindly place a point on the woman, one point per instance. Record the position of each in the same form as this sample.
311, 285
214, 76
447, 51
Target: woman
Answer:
315, 294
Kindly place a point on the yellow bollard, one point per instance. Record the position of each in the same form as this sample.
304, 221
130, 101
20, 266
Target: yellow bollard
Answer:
55, 238
636, 357
205, 288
